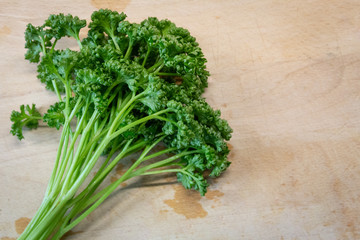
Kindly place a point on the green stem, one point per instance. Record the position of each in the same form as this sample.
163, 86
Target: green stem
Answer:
67, 100
168, 150
168, 74
115, 43
159, 68
155, 66
129, 50
57, 161
29, 118
46, 221
123, 109
111, 166
108, 191
167, 120
146, 56
52, 226
56, 90
111, 187
39, 214
78, 41
43, 45
93, 207
90, 189
164, 162
66, 130
162, 171
108, 90
53, 46
137, 122
80, 145
92, 203
67, 134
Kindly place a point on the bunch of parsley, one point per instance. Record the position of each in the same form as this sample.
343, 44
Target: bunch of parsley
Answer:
128, 88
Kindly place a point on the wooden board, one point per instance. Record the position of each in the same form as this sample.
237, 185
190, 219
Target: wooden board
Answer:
285, 74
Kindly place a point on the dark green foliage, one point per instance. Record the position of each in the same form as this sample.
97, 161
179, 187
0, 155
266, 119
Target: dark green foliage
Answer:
160, 63
129, 87
55, 116
106, 21
27, 117
36, 39
62, 25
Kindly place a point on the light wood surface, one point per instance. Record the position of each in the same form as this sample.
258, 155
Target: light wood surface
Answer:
285, 74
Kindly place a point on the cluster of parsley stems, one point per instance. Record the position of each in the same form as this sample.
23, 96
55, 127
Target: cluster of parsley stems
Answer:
62, 209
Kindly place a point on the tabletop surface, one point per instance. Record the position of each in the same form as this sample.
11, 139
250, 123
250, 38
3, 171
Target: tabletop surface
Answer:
285, 74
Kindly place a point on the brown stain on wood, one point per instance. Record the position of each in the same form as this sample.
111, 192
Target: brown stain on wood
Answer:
21, 224
113, 179
187, 203
8, 238
111, 4
159, 148
214, 195
164, 211
5, 30
231, 148
120, 169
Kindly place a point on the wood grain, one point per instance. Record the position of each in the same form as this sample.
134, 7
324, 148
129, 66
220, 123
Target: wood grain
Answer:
285, 74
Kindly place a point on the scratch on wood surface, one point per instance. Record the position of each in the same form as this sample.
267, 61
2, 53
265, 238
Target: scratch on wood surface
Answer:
258, 28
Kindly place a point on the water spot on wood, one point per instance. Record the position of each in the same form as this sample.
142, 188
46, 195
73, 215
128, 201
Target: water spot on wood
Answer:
21, 224
111, 4
187, 203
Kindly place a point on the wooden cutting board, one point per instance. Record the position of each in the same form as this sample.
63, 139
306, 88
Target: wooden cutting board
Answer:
285, 74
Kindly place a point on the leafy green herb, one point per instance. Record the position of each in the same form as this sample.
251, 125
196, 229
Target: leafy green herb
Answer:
27, 117
128, 88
